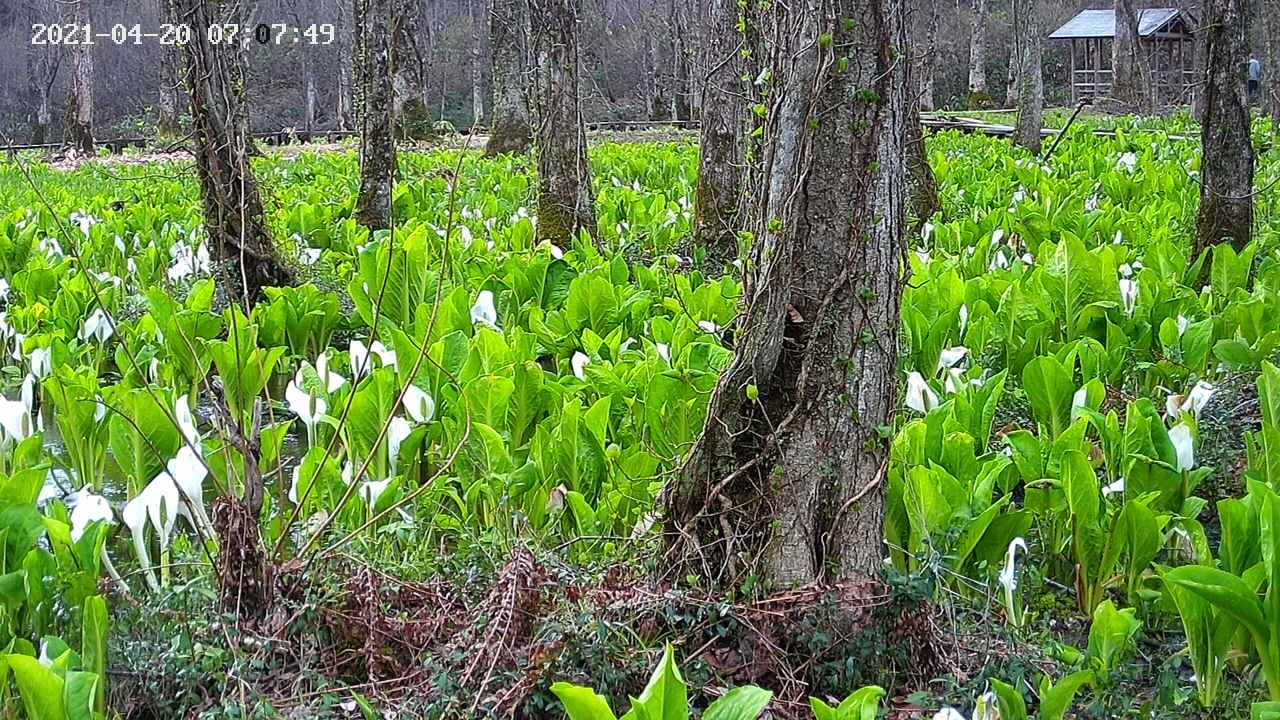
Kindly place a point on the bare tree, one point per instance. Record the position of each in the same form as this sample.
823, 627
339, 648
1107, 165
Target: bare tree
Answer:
716, 219
787, 482
681, 51
233, 214
566, 201
42, 70
1226, 164
978, 55
476, 13
510, 129
1126, 78
926, 64
1030, 73
167, 126
343, 111
77, 128
1271, 59
374, 83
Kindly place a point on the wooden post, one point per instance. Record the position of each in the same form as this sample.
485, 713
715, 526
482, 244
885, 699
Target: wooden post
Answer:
1072, 79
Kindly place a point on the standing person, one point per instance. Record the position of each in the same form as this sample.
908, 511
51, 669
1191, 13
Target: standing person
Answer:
1255, 77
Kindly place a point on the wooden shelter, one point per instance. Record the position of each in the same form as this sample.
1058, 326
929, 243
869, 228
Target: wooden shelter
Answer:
1166, 42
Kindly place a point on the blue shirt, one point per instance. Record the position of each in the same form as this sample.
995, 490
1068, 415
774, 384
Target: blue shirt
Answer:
1255, 69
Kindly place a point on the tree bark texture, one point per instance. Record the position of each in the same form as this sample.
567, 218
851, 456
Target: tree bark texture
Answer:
374, 84
717, 218
477, 12
42, 70
1271, 59
343, 111
921, 181
510, 129
1030, 74
233, 214
978, 55
786, 483
566, 201
167, 125
1226, 166
1126, 60
681, 52
408, 66
926, 63
77, 130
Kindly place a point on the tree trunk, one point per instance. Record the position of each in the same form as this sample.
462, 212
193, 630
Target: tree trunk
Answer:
308, 92
716, 218
343, 114
1201, 61
477, 59
233, 214
566, 201
510, 126
77, 131
1226, 166
926, 62
42, 69
786, 485
1030, 74
1271, 59
372, 52
167, 126
681, 91
922, 184
978, 96
1011, 78
658, 106
409, 104
1126, 77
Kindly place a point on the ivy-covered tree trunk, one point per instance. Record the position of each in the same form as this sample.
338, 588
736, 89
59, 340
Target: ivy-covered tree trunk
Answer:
786, 485
566, 201
1226, 165
922, 184
233, 216
717, 217
77, 130
372, 52
1271, 59
510, 126
978, 96
1030, 75
1126, 79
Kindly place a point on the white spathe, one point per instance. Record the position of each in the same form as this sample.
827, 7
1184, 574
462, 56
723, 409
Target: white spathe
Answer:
308, 409
1129, 294
950, 356
948, 713
98, 327
186, 421
361, 355
579, 362
920, 397
16, 423
419, 404
156, 505
484, 312
1183, 445
89, 508
331, 379
371, 490
1193, 402
41, 360
397, 432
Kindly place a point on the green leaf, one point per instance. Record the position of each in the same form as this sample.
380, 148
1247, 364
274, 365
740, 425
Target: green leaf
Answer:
1049, 388
1056, 699
1226, 592
41, 690
741, 703
666, 696
1012, 706
582, 703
